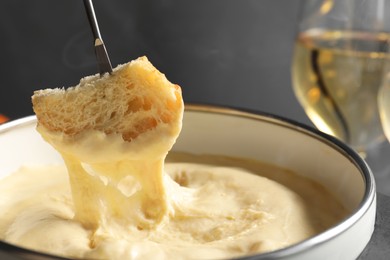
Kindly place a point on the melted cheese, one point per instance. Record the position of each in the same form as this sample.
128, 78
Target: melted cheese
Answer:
114, 181
210, 207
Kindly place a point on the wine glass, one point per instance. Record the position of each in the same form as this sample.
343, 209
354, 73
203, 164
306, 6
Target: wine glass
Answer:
340, 58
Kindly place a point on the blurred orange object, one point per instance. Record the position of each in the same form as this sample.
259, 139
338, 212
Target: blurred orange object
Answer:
3, 118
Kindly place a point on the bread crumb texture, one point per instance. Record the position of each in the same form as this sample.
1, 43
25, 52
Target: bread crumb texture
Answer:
135, 98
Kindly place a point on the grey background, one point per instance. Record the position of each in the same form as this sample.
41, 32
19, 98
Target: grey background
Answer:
224, 52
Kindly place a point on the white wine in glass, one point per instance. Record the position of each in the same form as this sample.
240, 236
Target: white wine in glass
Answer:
338, 67
384, 103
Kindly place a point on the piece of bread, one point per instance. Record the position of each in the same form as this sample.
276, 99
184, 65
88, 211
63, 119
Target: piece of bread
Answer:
134, 99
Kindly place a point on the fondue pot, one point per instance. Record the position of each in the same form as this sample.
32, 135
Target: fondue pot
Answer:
245, 134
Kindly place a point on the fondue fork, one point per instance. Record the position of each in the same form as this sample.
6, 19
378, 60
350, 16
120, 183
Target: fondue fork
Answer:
104, 63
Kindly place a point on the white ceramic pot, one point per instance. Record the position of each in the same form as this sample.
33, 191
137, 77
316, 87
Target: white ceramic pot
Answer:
222, 131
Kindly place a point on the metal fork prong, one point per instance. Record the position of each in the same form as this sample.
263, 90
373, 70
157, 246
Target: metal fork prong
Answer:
104, 63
